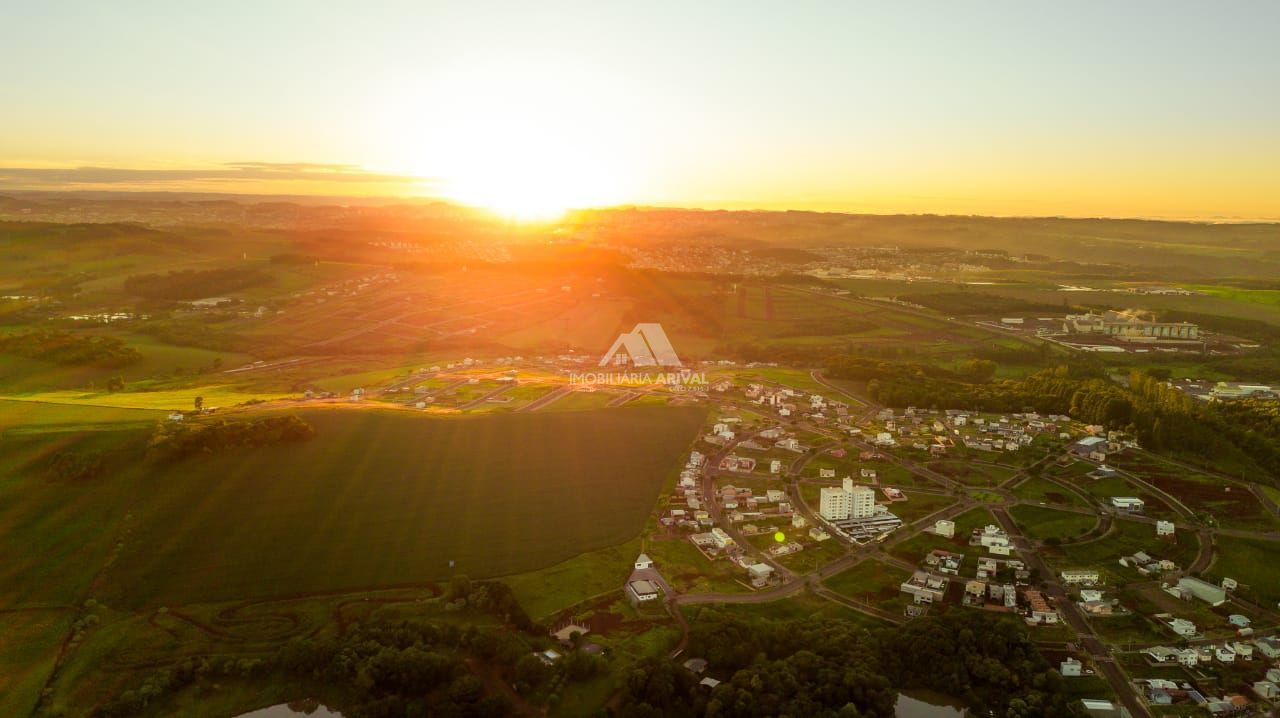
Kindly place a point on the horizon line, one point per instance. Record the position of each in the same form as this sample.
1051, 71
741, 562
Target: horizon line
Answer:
748, 207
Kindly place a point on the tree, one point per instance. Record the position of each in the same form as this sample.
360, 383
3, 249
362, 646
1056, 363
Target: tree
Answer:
115, 383
199, 403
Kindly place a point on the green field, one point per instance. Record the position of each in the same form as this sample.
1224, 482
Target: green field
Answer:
29, 644
1047, 492
376, 499
1252, 562
1044, 523
1129, 537
872, 581
805, 605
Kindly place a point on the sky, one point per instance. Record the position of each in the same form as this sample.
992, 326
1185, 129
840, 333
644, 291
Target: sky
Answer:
1135, 109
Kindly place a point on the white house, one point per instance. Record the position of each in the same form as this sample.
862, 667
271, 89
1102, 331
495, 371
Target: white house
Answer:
1128, 504
641, 591
759, 573
1079, 575
943, 527
1183, 627
1070, 668
1164, 528
643, 561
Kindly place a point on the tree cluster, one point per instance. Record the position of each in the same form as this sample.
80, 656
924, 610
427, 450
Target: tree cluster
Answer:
814, 667
70, 349
180, 441
188, 284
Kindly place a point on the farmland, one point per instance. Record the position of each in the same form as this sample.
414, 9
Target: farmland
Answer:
386, 491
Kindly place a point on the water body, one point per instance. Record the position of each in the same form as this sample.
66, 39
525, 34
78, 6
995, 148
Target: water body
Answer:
309, 708
927, 704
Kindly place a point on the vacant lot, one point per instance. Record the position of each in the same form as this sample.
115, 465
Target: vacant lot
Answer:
871, 581
1045, 523
1038, 489
1230, 503
386, 498
1252, 562
973, 473
1127, 538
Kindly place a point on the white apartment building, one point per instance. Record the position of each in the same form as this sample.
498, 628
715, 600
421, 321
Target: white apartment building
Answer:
847, 502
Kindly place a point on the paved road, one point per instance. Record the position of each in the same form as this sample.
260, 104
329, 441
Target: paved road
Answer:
1075, 618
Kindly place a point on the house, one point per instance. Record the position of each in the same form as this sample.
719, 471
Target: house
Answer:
1090, 594
1164, 528
1268, 646
642, 590
721, 538
1224, 654
1040, 610
1128, 504
945, 528
798, 521
695, 665
1089, 445
759, 573
1100, 708
1070, 668
817, 534
1266, 690
708, 683
944, 561
1238, 620
176, 416
1244, 651
1189, 657
1078, 576
1162, 654
1183, 627
924, 587
974, 593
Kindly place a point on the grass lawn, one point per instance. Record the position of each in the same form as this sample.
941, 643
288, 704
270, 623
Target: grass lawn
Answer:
1129, 537
798, 607
1043, 490
390, 498
1250, 561
973, 473
915, 548
580, 400
688, 571
22, 417
1044, 523
919, 504
1129, 628
29, 643
814, 555
168, 399
549, 590
872, 581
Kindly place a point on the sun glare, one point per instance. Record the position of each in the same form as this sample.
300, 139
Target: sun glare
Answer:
525, 144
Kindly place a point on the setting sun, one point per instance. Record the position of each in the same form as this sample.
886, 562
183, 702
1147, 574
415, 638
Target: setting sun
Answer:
527, 144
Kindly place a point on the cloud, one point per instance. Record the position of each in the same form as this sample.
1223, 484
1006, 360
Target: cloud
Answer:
230, 173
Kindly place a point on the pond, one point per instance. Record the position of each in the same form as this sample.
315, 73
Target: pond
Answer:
293, 709
927, 704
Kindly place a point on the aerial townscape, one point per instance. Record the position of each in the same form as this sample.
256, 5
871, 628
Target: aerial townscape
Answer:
608, 360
